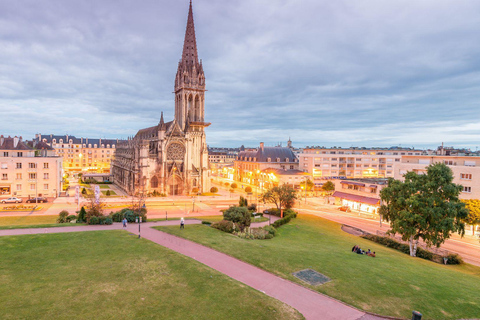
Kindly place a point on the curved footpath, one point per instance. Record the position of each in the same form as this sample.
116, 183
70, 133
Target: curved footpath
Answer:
311, 304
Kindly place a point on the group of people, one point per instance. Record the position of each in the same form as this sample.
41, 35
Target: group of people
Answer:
358, 250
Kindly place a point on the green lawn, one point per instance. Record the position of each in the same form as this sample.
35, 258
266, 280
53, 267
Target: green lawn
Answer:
104, 186
33, 222
113, 275
391, 284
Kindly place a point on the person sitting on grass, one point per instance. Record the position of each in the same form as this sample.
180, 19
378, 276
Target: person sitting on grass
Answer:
371, 254
354, 249
359, 250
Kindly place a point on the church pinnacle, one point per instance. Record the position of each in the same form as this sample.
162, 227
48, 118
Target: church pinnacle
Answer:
189, 55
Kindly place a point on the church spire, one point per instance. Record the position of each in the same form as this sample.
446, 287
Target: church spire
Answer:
189, 55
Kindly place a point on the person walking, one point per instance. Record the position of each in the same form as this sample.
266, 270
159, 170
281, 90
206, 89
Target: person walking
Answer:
182, 223
124, 222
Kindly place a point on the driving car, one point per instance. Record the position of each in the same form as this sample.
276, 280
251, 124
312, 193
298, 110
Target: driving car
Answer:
37, 199
12, 200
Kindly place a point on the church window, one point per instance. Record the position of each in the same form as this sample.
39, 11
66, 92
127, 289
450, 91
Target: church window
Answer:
175, 151
154, 182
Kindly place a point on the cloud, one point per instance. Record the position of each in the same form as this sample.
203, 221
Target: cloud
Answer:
369, 73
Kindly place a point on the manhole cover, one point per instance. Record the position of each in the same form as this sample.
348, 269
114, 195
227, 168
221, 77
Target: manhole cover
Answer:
311, 277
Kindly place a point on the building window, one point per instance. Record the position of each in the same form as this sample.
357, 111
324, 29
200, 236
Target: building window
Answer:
467, 189
448, 162
19, 176
45, 186
45, 165
4, 176
466, 176
19, 165
5, 154
19, 187
32, 165
45, 176
19, 154
32, 176
32, 186
4, 166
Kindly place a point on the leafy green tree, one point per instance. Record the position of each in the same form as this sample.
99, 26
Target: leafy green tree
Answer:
82, 215
424, 206
328, 186
238, 215
310, 185
282, 196
473, 218
248, 189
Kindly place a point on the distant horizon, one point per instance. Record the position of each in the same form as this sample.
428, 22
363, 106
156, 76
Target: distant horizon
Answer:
324, 73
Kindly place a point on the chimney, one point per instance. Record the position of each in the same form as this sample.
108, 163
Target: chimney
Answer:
261, 146
15, 141
2, 139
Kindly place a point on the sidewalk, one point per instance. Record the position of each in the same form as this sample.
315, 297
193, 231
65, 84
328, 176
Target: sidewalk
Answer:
311, 304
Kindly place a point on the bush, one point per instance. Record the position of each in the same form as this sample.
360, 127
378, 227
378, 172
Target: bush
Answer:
238, 215
234, 185
248, 189
242, 202
70, 218
82, 215
194, 190
62, 216
272, 211
84, 191
223, 225
271, 230
206, 222
421, 253
108, 221
288, 215
107, 193
252, 207
93, 220
226, 184
213, 189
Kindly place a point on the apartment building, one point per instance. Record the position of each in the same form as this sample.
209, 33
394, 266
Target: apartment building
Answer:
359, 194
338, 163
82, 154
28, 169
466, 170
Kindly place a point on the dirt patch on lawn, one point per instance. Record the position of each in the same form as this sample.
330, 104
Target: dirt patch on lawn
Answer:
353, 230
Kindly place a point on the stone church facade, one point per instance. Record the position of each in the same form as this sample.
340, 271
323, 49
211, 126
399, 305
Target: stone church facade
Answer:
171, 157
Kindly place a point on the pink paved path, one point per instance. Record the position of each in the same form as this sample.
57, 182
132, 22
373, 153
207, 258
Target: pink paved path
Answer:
311, 304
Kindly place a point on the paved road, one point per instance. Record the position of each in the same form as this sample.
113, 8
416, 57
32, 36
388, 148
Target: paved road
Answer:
311, 304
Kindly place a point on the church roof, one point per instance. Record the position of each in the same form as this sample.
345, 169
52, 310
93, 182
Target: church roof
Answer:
189, 55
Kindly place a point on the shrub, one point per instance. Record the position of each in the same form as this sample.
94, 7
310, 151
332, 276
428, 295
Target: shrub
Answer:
226, 184
272, 211
223, 225
62, 216
70, 218
242, 202
213, 189
421, 253
107, 193
234, 185
252, 207
93, 220
238, 215
108, 221
84, 191
194, 190
271, 230
288, 215
248, 189
454, 258
82, 215
206, 222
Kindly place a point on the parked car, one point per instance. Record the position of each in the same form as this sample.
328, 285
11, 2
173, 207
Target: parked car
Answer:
12, 200
38, 199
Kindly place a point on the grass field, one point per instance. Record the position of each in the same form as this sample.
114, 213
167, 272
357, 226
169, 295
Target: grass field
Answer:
391, 284
113, 275
112, 193
33, 222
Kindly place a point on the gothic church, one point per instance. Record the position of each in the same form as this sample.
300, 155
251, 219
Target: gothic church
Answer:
171, 157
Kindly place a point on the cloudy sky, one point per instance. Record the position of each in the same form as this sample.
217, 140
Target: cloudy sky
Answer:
328, 73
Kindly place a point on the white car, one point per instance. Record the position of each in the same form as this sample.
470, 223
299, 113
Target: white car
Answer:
12, 200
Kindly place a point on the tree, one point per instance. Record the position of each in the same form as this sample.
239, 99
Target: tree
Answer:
328, 187
213, 189
243, 202
82, 215
473, 218
282, 196
108, 193
239, 215
234, 185
84, 191
424, 206
310, 185
248, 189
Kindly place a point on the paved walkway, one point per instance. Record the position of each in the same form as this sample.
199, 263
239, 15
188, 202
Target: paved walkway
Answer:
311, 304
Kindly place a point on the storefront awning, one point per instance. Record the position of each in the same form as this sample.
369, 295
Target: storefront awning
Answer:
354, 197
353, 183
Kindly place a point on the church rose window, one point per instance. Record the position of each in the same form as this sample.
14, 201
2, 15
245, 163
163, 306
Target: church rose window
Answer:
175, 151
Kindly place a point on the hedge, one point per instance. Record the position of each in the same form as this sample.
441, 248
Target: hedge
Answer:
452, 258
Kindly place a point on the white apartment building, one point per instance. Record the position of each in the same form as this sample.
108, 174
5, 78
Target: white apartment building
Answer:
466, 170
28, 169
334, 163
